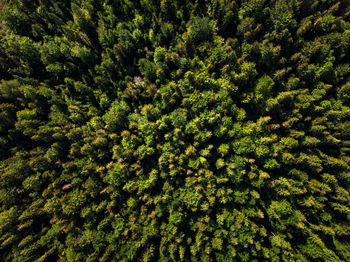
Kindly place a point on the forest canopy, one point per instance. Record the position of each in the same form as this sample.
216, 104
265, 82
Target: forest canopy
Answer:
175, 130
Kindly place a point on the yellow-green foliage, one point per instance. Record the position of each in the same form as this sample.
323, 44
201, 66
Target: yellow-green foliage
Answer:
175, 130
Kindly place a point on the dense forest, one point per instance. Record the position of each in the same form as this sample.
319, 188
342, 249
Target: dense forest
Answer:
175, 130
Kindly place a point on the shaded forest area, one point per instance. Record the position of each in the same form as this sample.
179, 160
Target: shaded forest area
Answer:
175, 130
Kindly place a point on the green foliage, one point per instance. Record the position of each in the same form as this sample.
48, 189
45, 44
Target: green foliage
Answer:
263, 89
174, 130
200, 30
116, 116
